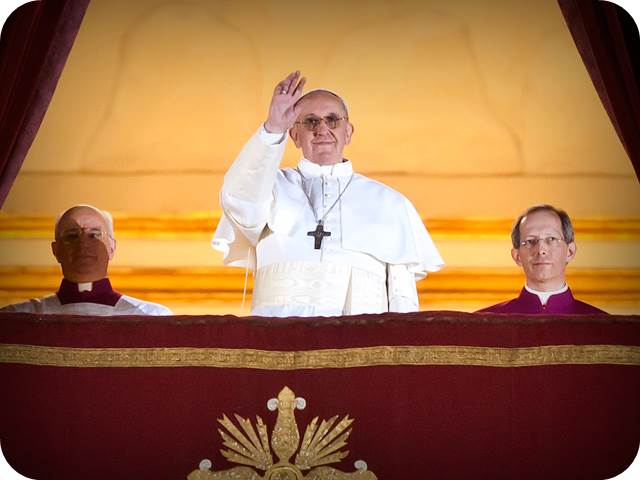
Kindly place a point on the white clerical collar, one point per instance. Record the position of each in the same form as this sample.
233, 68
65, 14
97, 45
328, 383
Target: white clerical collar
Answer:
310, 169
85, 287
544, 296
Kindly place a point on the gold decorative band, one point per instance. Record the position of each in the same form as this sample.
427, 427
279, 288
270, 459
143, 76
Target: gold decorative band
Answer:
314, 359
201, 224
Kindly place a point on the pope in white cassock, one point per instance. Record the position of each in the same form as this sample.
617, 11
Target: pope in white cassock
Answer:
321, 239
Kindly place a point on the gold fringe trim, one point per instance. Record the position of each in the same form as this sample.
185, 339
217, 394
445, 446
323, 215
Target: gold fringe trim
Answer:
315, 359
226, 284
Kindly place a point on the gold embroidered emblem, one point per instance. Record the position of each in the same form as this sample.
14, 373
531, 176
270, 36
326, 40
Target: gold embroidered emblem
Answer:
321, 445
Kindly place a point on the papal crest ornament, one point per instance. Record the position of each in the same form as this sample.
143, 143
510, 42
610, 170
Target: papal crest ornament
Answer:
249, 446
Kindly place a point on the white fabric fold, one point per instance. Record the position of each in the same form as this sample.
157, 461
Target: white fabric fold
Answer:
126, 305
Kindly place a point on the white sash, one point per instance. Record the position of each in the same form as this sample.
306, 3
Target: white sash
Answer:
317, 289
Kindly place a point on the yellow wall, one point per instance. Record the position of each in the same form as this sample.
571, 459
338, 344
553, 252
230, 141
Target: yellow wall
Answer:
469, 107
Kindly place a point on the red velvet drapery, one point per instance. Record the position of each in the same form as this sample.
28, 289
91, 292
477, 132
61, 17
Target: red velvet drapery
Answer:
34, 45
608, 41
435, 395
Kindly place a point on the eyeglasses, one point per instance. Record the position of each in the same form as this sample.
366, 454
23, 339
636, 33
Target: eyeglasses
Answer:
312, 122
549, 241
75, 234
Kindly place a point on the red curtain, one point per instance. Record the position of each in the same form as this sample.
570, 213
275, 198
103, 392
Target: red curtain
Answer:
34, 45
608, 41
435, 395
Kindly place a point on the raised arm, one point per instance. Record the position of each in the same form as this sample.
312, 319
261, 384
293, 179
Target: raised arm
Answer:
248, 184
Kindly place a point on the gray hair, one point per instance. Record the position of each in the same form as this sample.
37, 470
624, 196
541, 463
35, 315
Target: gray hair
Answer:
106, 216
567, 227
322, 90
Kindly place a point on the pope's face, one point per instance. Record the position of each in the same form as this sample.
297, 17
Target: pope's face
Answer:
322, 145
544, 264
82, 246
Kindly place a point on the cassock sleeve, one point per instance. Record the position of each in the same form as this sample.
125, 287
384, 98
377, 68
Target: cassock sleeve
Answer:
402, 291
246, 198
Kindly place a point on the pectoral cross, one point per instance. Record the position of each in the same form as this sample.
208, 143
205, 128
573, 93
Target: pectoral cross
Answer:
318, 234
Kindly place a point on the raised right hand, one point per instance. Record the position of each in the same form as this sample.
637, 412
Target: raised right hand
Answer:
282, 111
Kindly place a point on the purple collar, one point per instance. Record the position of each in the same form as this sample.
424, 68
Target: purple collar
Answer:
101, 293
558, 303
